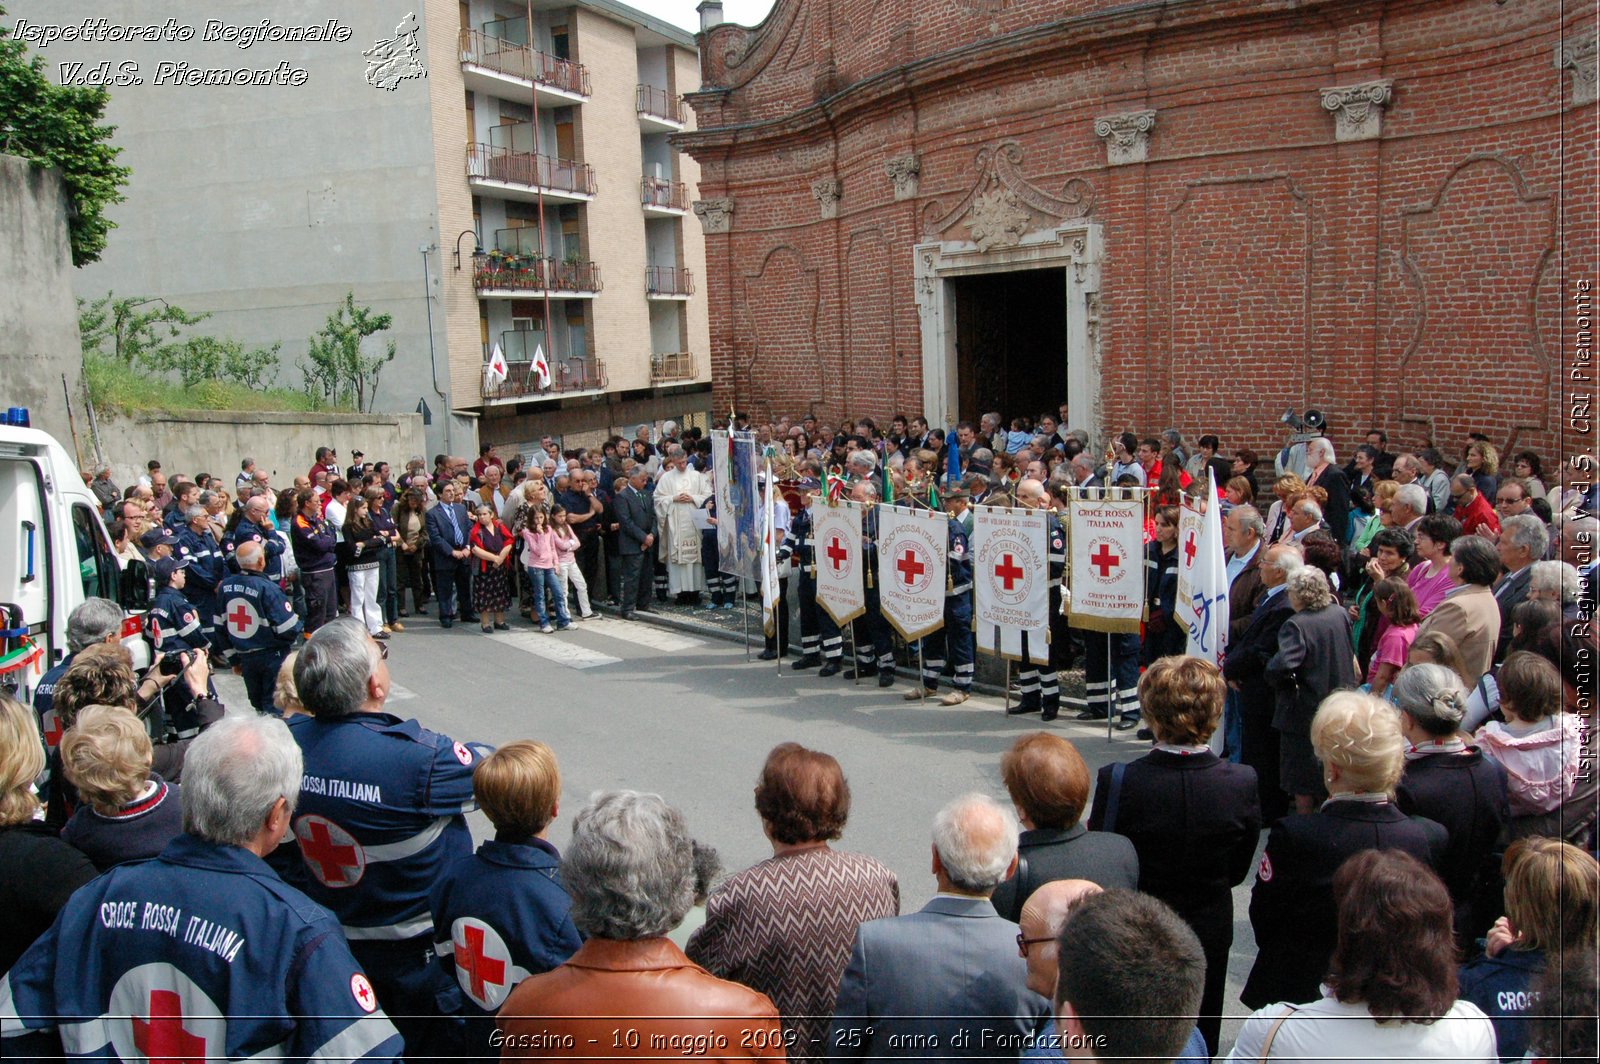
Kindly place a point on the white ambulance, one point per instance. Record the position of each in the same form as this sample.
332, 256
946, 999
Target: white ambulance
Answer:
54, 553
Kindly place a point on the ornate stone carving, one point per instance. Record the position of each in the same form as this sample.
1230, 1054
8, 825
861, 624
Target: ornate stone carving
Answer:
716, 215
997, 220
827, 191
906, 173
1127, 136
1580, 57
1000, 167
1358, 109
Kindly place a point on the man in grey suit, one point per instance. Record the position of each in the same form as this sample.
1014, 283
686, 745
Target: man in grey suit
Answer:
1523, 541
1315, 658
636, 536
950, 980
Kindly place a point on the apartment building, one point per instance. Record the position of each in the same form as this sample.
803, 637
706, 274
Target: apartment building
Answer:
516, 187
575, 238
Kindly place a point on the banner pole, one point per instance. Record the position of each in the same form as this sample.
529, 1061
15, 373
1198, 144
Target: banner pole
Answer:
1007, 682
922, 671
744, 614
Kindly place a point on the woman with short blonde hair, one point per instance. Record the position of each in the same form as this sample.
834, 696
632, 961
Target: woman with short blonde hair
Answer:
38, 872
1357, 738
129, 813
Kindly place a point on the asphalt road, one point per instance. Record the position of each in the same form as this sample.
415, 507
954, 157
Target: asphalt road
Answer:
626, 704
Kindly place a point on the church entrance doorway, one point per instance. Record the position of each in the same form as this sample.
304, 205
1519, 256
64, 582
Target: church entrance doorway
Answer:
1011, 342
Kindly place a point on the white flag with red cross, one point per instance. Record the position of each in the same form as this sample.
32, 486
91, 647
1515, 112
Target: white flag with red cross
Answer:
841, 589
1011, 582
1189, 529
541, 366
1208, 587
497, 366
911, 569
1107, 564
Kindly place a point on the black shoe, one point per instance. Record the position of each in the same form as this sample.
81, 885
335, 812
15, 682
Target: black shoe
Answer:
1089, 714
885, 679
446, 622
473, 619
626, 615
1126, 723
866, 671
421, 612
1145, 735
1051, 713
380, 635
832, 668
768, 655
1021, 709
809, 661
502, 628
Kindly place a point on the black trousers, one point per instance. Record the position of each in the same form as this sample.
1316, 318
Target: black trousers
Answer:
454, 587
637, 571
780, 642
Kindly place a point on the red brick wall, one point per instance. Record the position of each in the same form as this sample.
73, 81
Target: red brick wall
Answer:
1416, 282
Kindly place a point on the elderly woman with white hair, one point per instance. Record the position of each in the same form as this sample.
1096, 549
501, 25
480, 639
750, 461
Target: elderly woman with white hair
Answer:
1450, 781
1316, 656
630, 871
1357, 739
1323, 472
1558, 582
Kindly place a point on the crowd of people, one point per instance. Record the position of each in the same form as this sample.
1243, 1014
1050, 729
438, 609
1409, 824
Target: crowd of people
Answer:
1419, 749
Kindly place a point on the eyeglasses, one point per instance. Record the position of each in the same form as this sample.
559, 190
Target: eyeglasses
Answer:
383, 650
1024, 943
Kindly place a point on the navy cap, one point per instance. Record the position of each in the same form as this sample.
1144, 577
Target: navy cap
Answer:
158, 537
163, 568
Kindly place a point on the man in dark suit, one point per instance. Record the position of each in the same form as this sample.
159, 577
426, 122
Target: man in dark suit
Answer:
1523, 541
636, 538
947, 981
448, 527
1245, 670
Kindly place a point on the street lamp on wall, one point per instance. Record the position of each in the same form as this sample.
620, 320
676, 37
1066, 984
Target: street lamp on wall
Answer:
477, 249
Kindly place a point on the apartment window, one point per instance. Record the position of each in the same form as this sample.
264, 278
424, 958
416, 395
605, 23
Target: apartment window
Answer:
559, 46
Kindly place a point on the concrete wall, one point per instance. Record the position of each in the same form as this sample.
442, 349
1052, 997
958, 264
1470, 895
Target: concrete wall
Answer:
39, 339
283, 444
265, 204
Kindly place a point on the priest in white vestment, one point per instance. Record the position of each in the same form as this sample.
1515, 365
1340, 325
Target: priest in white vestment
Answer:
679, 493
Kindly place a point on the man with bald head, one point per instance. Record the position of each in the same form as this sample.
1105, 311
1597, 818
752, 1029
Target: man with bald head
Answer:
255, 626
255, 526
946, 981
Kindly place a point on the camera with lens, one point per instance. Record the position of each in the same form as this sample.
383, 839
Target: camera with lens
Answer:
1303, 428
175, 663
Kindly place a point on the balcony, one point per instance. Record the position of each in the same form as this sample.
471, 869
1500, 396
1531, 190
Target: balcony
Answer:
572, 372
493, 65
521, 175
659, 110
668, 282
663, 199
499, 275
677, 366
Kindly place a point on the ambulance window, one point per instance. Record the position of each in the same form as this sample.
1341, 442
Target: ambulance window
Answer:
97, 565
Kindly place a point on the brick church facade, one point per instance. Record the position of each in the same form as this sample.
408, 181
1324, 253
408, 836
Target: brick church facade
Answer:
1195, 213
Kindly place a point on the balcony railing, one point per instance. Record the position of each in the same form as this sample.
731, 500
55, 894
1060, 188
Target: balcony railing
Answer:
677, 366
525, 273
659, 103
668, 281
490, 163
668, 195
580, 373
520, 61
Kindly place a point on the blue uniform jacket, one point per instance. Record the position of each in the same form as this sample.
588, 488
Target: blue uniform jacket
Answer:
1503, 987
797, 544
173, 623
200, 954
380, 818
314, 544
959, 561
500, 916
253, 614
247, 530
205, 560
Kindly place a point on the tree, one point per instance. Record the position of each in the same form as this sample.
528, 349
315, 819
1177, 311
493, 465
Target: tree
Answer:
337, 371
154, 339
57, 126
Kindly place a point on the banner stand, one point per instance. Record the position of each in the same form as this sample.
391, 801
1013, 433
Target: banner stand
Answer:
744, 613
922, 669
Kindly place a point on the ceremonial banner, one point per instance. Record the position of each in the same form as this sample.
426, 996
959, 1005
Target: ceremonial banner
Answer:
1011, 581
911, 569
1189, 520
1106, 539
1208, 587
738, 512
769, 558
836, 532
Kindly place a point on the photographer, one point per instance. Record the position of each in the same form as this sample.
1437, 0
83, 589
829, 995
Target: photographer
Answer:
102, 675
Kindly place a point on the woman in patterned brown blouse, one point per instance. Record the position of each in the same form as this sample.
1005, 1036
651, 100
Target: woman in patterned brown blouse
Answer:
785, 926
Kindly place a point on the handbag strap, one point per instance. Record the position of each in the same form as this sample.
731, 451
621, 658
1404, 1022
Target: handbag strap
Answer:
1266, 1047
1115, 797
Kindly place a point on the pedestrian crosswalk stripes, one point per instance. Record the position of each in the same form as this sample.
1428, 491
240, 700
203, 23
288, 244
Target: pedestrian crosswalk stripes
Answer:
559, 650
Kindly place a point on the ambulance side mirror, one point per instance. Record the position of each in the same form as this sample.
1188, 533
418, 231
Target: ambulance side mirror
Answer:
136, 586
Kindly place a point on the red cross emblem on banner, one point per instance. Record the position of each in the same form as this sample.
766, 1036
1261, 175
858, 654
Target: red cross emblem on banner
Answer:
910, 566
837, 555
482, 975
52, 728
162, 1038
330, 852
1105, 560
1008, 571
1189, 548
